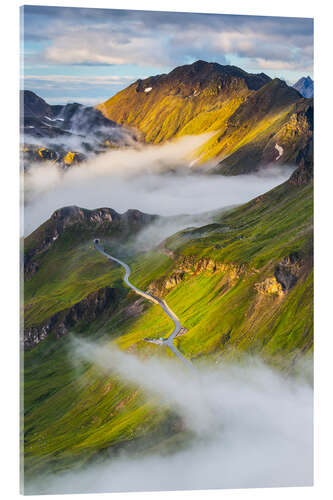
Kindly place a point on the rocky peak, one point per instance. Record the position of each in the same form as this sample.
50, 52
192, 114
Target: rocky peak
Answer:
305, 86
83, 224
190, 79
71, 215
68, 216
33, 105
210, 71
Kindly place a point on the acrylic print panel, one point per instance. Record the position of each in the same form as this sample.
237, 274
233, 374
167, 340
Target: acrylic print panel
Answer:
168, 295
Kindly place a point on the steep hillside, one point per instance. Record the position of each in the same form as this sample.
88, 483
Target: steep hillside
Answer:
59, 267
283, 136
241, 110
33, 106
242, 285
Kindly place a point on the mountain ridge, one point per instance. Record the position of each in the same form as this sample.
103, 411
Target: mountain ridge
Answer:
83, 224
66, 134
208, 97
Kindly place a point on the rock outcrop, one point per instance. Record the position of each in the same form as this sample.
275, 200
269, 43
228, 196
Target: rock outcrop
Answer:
288, 271
270, 286
86, 310
189, 265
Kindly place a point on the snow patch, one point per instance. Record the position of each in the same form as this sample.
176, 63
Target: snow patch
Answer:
148, 89
279, 150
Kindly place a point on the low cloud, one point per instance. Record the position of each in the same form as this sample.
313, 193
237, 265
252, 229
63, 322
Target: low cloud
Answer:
252, 427
153, 179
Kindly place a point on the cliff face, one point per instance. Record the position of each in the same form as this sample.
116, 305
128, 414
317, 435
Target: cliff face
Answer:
190, 266
286, 274
86, 310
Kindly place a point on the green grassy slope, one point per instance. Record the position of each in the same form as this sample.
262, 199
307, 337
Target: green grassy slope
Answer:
229, 297
245, 286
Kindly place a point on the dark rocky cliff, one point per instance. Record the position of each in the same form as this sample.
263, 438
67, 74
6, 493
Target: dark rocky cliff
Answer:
86, 310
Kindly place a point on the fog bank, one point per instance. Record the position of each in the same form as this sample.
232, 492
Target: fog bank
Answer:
253, 428
153, 179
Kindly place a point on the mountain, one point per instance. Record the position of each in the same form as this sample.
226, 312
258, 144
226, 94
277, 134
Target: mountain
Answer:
66, 134
38, 117
80, 224
305, 86
45, 120
244, 113
34, 106
240, 285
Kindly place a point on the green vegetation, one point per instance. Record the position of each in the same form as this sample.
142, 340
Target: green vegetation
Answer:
228, 298
242, 286
73, 412
247, 114
65, 276
266, 229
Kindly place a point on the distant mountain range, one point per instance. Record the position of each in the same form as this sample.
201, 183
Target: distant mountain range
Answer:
241, 285
305, 86
254, 120
67, 133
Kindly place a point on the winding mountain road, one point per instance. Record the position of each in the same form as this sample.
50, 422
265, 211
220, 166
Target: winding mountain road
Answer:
168, 341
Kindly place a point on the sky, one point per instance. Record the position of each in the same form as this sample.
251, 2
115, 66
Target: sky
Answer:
87, 55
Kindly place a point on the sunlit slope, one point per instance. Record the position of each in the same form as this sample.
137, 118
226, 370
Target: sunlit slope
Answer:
242, 285
248, 282
245, 113
72, 411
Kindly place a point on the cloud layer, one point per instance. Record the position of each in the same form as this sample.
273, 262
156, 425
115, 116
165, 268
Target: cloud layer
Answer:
252, 428
129, 37
146, 43
153, 179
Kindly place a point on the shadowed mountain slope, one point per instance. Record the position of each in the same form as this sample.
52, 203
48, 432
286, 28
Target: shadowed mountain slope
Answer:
305, 86
66, 135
